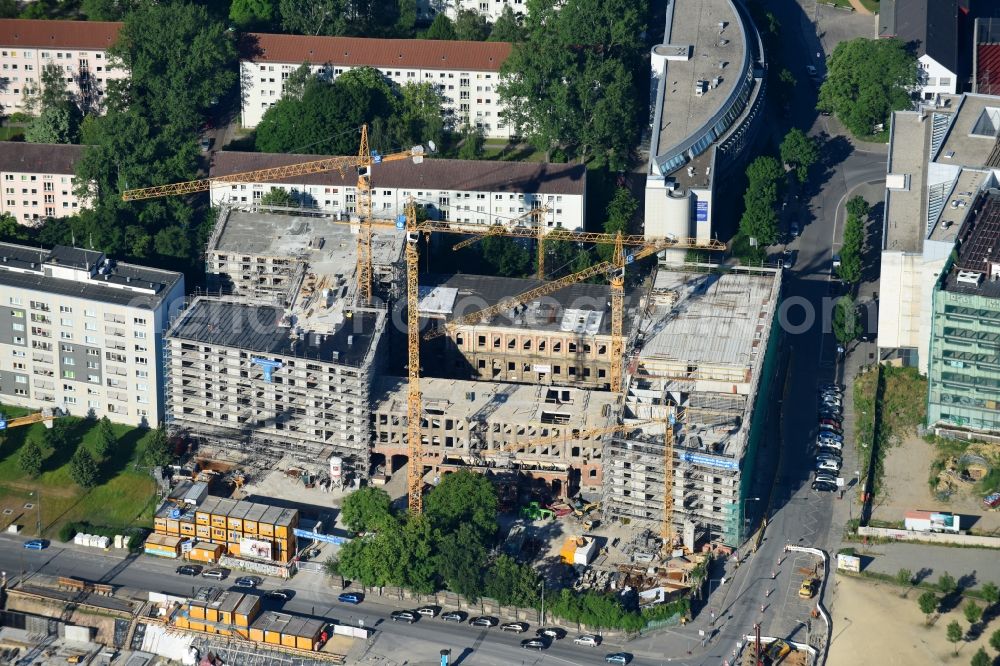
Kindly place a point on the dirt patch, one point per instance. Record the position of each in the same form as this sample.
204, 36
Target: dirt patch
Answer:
872, 624
907, 469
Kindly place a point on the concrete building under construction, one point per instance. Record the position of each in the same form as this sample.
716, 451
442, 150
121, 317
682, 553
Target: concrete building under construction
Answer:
529, 430
561, 339
704, 356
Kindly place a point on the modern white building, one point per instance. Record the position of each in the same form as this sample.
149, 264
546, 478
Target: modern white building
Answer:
707, 84
79, 48
941, 157
465, 73
38, 181
82, 332
473, 191
931, 29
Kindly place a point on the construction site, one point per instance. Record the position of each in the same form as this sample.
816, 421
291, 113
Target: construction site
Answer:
636, 410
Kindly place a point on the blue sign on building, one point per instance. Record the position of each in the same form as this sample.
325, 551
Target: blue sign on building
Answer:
315, 536
710, 461
701, 211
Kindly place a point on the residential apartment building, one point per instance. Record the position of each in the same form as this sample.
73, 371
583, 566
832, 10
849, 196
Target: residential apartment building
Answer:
931, 28
83, 332
964, 369
78, 48
38, 181
466, 74
491, 9
473, 191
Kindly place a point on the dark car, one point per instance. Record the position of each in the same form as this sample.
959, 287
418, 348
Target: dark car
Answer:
189, 570
350, 598
248, 581
830, 422
831, 387
551, 632
454, 616
409, 617
824, 486
283, 595
830, 428
534, 644
484, 621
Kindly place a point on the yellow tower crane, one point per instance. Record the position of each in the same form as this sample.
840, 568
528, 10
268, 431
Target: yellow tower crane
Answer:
45, 416
363, 162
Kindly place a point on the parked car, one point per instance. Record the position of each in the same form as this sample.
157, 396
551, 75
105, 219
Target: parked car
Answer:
534, 644
516, 627
830, 445
217, 574
830, 422
248, 581
408, 617
454, 616
484, 621
832, 436
828, 455
283, 595
831, 387
827, 466
37, 544
551, 632
619, 658
350, 598
793, 229
824, 486
205, 143
826, 478
429, 611
830, 428
590, 640
189, 570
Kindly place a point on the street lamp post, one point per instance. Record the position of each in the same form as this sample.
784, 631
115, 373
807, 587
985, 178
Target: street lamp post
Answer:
38, 505
541, 584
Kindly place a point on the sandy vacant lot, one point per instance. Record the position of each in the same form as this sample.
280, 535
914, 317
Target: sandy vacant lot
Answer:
907, 468
872, 624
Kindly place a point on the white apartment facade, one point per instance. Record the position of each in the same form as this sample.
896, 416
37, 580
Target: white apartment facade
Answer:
466, 74
491, 9
78, 48
83, 333
476, 192
38, 181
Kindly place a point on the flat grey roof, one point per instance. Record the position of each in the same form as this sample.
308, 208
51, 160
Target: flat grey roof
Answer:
696, 23
256, 328
26, 267
497, 401
296, 236
909, 149
960, 146
711, 318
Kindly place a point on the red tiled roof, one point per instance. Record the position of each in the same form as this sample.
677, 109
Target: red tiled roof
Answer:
433, 174
360, 51
21, 157
58, 34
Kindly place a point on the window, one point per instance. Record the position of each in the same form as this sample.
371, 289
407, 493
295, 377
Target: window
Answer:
90, 340
140, 335
65, 322
68, 360
21, 379
142, 374
68, 374
65, 309
65, 335
90, 326
93, 365
141, 360
89, 313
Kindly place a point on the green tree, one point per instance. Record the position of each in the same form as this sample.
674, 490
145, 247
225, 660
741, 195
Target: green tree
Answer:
56, 438
472, 144
10, 230
417, 558
760, 217
366, 509
407, 18
156, 451
621, 209
418, 119
799, 151
954, 634
946, 583
858, 207
83, 468
981, 658
105, 10
172, 242
316, 17
137, 241
278, 197
376, 558
995, 640
868, 79
471, 26
973, 612
8, 8
106, 442
55, 124
990, 593
928, 603
511, 584
853, 246
30, 459
50, 92
441, 28
505, 256
904, 577
586, 101
460, 559
507, 27
846, 324
250, 14
463, 498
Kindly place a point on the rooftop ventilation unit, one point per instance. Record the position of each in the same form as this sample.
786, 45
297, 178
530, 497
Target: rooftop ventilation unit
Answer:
970, 277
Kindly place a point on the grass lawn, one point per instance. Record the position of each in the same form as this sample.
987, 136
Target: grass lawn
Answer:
501, 150
124, 498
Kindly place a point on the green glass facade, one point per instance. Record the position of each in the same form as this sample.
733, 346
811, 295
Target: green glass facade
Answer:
964, 368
